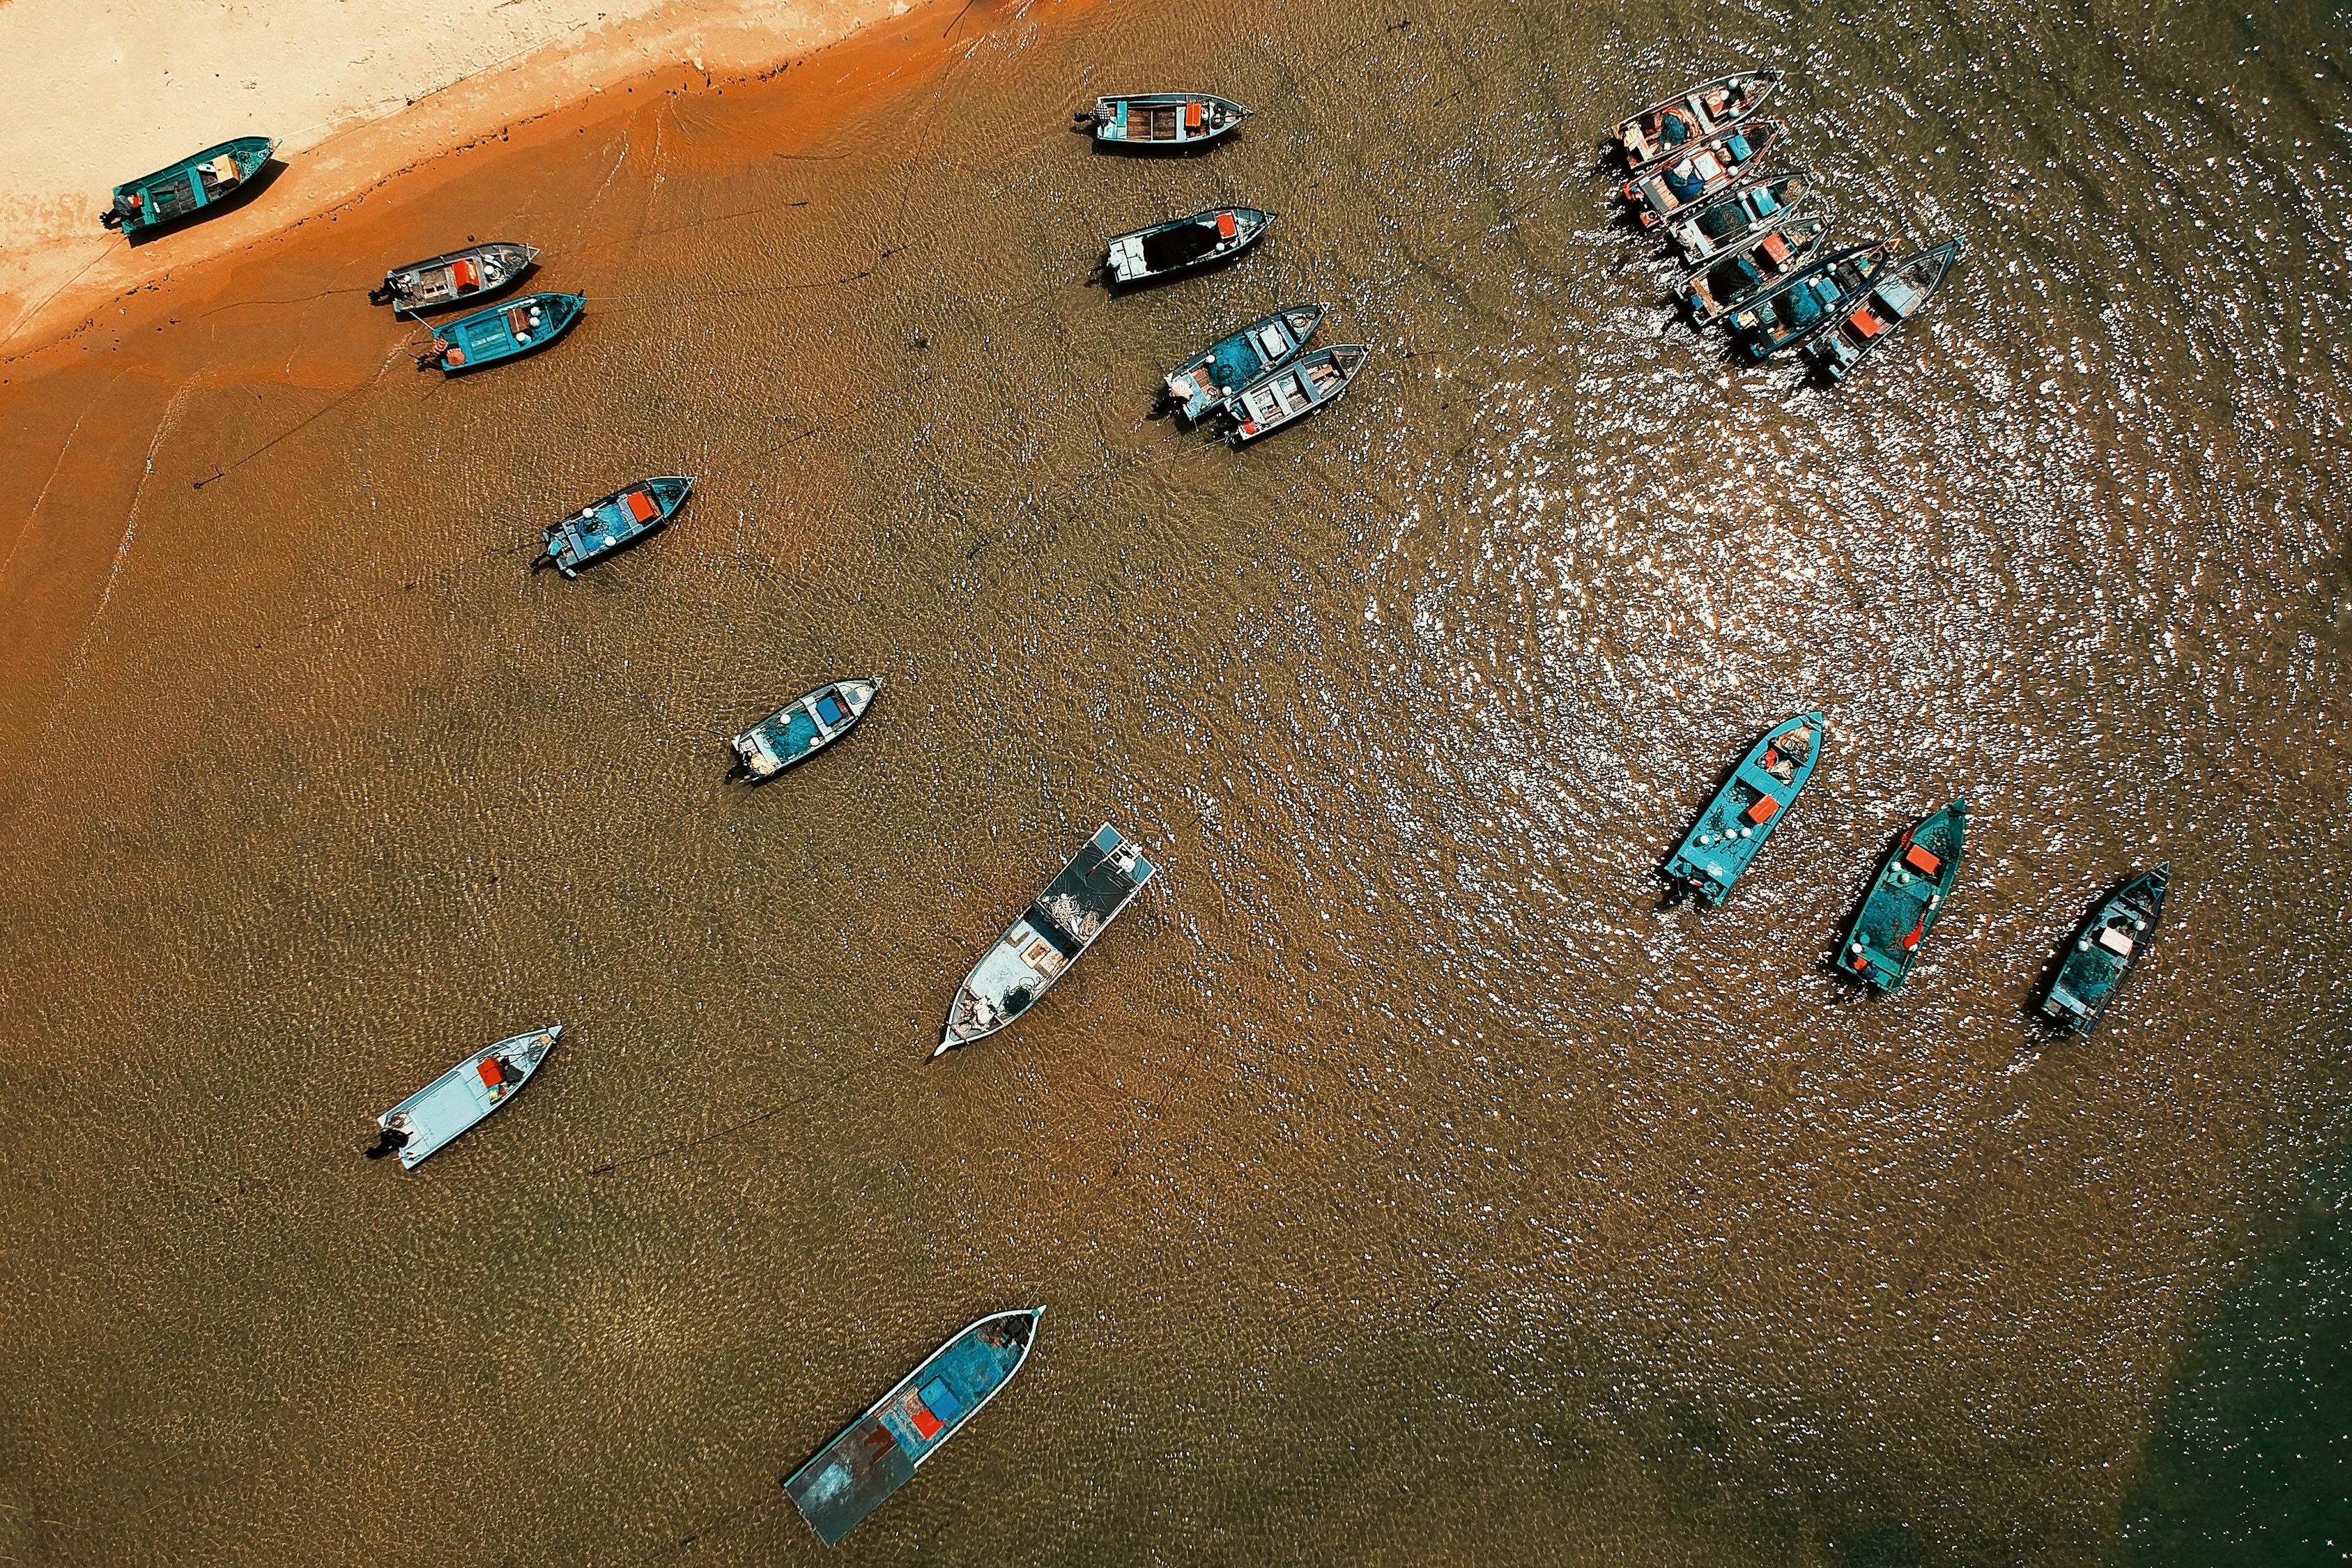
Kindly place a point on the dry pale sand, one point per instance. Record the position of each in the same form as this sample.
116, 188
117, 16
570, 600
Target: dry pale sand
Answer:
354, 90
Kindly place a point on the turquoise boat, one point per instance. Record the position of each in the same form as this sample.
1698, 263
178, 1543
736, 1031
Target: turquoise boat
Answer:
1913, 884
503, 332
1728, 221
188, 187
1788, 313
2107, 946
881, 1450
1203, 383
1076, 907
622, 518
1900, 293
1161, 121
451, 1103
1752, 801
802, 727
1730, 280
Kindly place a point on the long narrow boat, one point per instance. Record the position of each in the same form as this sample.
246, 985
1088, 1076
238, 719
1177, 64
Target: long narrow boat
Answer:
1232, 362
1669, 187
626, 515
881, 1450
1704, 111
1912, 886
187, 187
1788, 312
1163, 120
1293, 390
1729, 220
803, 726
1897, 294
476, 273
464, 1095
2105, 948
1730, 280
503, 332
1076, 906
1752, 801
1183, 244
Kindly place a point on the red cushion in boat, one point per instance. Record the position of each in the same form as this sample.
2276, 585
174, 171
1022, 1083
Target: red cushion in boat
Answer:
927, 1425
1775, 247
641, 505
468, 274
1921, 860
1868, 325
1192, 116
1763, 810
1225, 225
488, 1067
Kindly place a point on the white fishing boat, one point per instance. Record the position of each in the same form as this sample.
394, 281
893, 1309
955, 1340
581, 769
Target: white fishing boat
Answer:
451, 1103
1075, 907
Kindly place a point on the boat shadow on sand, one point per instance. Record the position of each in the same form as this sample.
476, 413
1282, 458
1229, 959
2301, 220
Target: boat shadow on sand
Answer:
247, 190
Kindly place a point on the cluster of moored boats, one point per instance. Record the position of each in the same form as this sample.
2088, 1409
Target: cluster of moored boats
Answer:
1697, 168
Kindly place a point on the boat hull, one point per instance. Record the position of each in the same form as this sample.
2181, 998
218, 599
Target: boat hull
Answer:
504, 331
1905, 898
1101, 879
1730, 219
618, 521
1164, 121
2103, 951
802, 727
1733, 825
189, 187
1864, 321
438, 1113
1203, 384
1639, 139
1183, 245
1290, 393
476, 273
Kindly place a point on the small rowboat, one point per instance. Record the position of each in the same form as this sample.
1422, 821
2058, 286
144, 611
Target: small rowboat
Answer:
1670, 186
621, 518
1159, 120
1732, 279
478, 270
1905, 897
1898, 293
803, 726
503, 332
1292, 392
1233, 363
881, 1450
1075, 907
1752, 801
462, 1096
1704, 111
2107, 946
187, 187
1183, 244
1731, 219
1790, 312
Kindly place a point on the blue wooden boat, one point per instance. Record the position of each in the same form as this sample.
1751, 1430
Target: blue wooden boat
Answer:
1293, 390
462, 1096
1076, 907
1183, 244
1161, 121
477, 271
1899, 293
503, 332
188, 187
1730, 219
1913, 884
1721, 286
1675, 184
1202, 383
1792, 310
881, 1450
621, 518
1695, 115
1752, 801
802, 727
2105, 948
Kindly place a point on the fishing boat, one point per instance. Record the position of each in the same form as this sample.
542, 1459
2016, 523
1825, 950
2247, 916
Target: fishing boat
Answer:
1788, 312
803, 726
1729, 220
188, 187
621, 518
1183, 244
1898, 293
462, 1096
476, 273
1677, 184
1752, 801
1913, 883
881, 1450
2107, 946
1292, 392
1204, 383
1704, 111
503, 332
1076, 906
1730, 280
1161, 120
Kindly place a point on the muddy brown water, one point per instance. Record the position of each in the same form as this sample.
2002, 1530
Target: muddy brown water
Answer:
1403, 1182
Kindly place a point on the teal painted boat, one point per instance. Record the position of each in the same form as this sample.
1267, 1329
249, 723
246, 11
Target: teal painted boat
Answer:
881, 1450
1161, 121
1183, 244
1728, 221
1729, 282
1203, 383
451, 1103
1788, 312
503, 332
1076, 907
621, 519
1905, 898
188, 187
1752, 801
804, 727
1899, 293
2105, 948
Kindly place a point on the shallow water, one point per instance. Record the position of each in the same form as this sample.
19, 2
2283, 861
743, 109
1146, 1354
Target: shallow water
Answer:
1397, 1171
